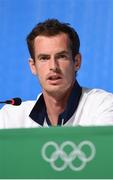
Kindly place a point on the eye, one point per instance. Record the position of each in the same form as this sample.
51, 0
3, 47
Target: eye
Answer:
62, 56
43, 58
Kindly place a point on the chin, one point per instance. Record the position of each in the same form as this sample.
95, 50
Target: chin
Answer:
56, 91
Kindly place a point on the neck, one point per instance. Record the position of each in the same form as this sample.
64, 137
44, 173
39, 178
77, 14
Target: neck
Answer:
55, 105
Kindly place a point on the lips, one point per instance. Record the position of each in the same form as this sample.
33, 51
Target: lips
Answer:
54, 77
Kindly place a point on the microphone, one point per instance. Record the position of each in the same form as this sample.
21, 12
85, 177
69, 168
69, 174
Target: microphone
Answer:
14, 101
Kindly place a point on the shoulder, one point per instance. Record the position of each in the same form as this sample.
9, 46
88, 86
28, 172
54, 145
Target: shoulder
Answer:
20, 110
98, 103
15, 116
25, 106
96, 106
97, 98
96, 94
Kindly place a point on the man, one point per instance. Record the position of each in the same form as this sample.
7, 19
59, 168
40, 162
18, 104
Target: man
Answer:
55, 60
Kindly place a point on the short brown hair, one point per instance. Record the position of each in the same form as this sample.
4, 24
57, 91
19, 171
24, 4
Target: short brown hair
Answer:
52, 27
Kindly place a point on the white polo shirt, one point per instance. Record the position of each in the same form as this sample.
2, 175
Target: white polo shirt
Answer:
95, 108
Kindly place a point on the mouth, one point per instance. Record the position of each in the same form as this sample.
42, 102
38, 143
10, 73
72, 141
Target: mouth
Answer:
54, 78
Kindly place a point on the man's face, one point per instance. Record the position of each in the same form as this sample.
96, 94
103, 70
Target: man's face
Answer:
53, 64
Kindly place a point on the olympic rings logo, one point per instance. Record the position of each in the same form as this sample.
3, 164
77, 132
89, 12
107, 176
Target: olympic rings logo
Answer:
68, 159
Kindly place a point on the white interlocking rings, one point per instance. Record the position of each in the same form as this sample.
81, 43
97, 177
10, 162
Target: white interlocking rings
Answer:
68, 159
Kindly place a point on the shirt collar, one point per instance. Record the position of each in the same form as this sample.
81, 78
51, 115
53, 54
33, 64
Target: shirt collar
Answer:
38, 112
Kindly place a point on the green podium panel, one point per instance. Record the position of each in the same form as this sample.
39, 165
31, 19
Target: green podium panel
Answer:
57, 153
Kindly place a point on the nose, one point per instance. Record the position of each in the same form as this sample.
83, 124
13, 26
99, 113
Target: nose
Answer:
53, 64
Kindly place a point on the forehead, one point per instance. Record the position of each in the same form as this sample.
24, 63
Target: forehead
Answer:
47, 42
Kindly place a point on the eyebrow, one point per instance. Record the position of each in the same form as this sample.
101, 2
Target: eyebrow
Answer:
47, 55
62, 52
41, 55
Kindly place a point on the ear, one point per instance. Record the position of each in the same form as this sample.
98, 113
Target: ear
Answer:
77, 61
32, 66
